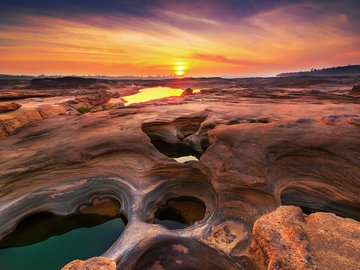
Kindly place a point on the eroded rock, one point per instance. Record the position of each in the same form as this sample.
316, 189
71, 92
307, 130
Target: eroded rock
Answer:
8, 107
291, 240
96, 263
257, 148
187, 92
355, 91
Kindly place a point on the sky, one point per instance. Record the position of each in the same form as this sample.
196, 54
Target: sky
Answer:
184, 38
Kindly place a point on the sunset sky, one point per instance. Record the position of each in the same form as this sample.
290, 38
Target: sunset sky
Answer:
190, 38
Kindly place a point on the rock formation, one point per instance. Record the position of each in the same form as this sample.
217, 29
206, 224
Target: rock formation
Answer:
8, 107
261, 144
187, 92
93, 102
289, 240
355, 91
96, 263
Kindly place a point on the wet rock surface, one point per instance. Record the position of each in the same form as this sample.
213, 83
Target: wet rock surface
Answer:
260, 143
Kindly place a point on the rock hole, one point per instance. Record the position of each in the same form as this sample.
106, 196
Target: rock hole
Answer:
311, 202
180, 254
186, 159
50, 241
175, 150
178, 138
180, 212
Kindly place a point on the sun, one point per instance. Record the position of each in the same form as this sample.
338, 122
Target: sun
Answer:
179, 72
180, 68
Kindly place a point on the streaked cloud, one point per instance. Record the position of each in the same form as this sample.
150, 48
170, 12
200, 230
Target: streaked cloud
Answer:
262, 39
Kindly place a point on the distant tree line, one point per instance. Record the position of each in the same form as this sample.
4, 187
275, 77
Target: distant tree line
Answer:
342, 70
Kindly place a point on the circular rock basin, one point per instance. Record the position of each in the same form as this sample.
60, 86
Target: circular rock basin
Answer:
46, 241
180, 212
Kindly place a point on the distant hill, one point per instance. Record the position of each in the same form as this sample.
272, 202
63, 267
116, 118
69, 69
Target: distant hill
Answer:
333, 71
63, 82
15, 77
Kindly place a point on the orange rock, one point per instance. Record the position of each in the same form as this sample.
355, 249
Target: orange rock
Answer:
290, 240
96, 263
355, 91
8, 107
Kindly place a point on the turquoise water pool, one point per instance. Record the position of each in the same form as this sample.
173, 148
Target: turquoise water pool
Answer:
55, 251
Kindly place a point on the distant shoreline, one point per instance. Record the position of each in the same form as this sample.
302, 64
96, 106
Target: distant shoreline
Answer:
333, 71
350, 70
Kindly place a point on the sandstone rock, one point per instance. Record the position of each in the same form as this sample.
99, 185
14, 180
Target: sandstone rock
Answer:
291, 240
187, 92
7, 126
8, 107
115, 95
257, 150
47, 111
91, 102
355, 91
96, 263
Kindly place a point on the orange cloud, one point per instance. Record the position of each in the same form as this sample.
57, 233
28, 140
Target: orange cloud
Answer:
266, 42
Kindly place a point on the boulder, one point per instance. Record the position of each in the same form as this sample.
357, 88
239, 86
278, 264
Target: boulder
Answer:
291, 240
96, 263
187, 92
355, 91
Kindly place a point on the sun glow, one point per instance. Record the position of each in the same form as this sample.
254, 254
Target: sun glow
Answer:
180, 68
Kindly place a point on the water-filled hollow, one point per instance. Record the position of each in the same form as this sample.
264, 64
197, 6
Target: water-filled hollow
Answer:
50, 241
178, 138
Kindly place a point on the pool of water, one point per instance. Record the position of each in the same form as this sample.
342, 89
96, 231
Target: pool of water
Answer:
184, 159
153, 93
171, 224
35, 245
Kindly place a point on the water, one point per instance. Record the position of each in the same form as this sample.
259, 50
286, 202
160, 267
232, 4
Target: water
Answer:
184, 159
152, 93
170, 224
57, 250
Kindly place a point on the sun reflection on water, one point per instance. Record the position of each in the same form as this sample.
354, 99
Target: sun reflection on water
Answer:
152, 93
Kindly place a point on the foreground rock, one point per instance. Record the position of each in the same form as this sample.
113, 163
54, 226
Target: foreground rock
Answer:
283, 239
8, 107
291, 240
96, 263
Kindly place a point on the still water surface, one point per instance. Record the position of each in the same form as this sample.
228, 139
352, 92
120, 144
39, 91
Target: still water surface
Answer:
153, 93
57, 250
